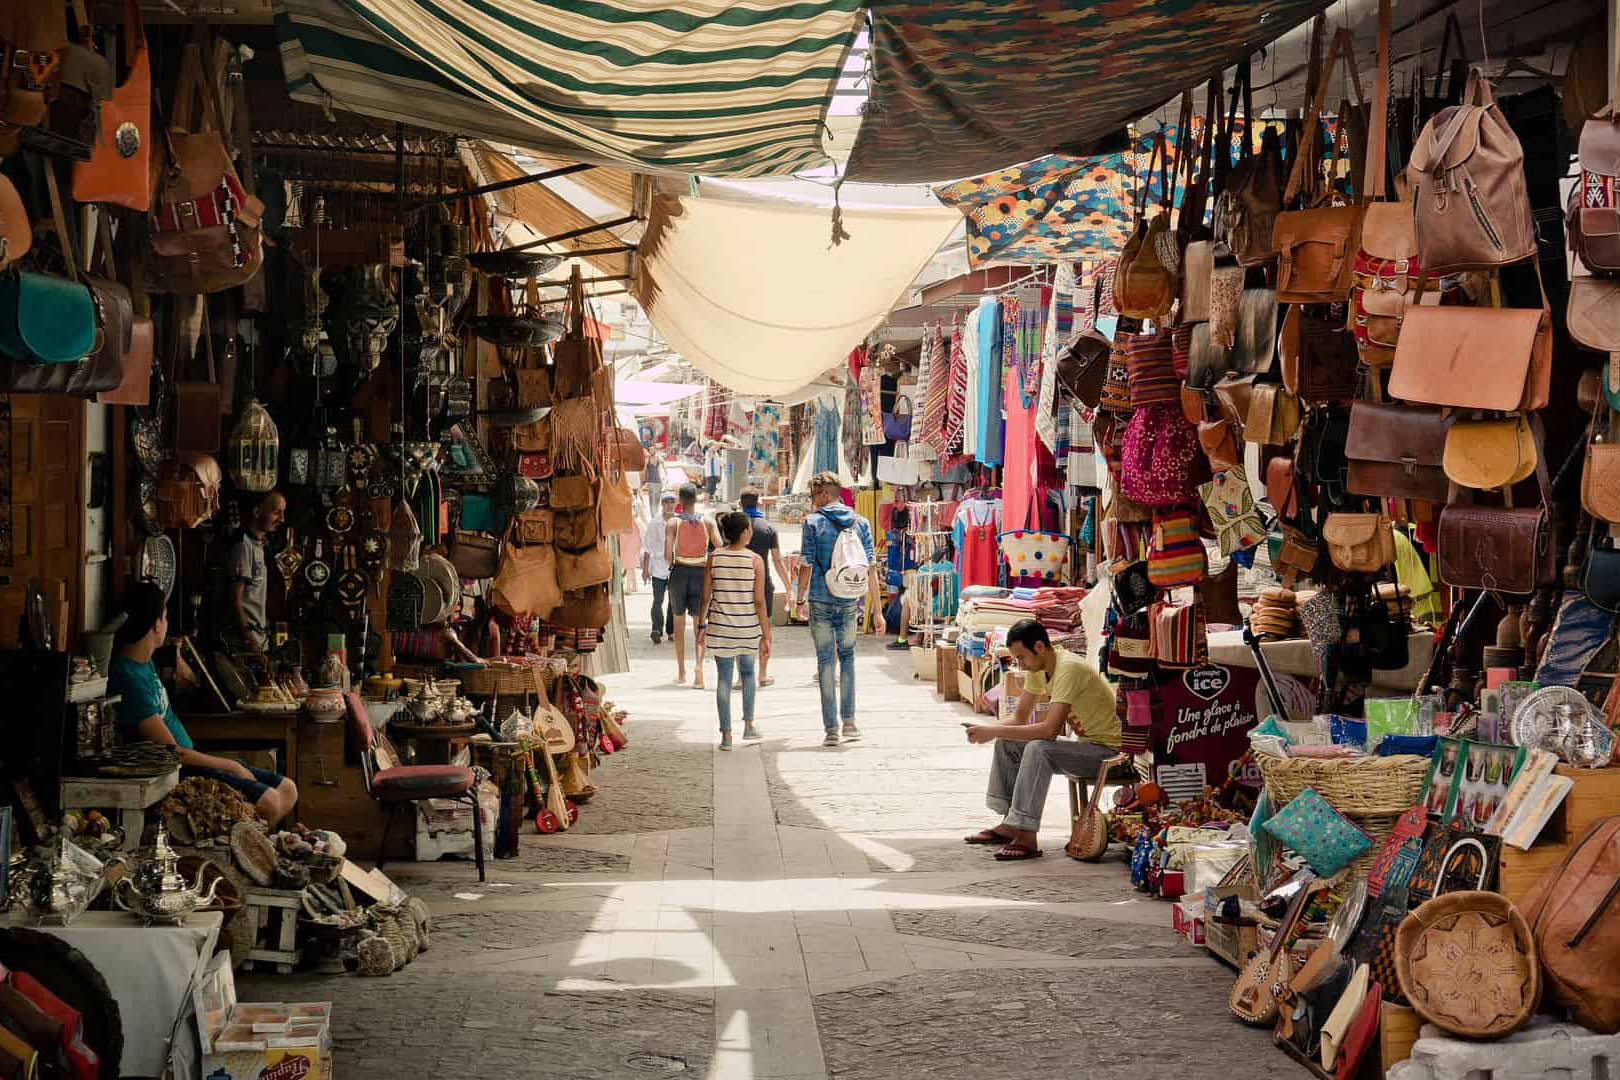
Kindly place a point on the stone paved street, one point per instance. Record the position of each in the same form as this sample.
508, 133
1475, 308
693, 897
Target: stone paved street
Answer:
788, 911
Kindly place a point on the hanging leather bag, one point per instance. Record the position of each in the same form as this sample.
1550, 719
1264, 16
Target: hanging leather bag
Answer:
1600, 474
204, 233
1254, 344
586, 609
1474, 358
188, 490
1396, 451
1593, 313
32, 40
1504, 549
1470, 204
526, 576
1144, 287
1251, 197
197, 401
1274, 415
120, 170
1316, 246
1359, 543
1487, 454
1594, 213
16, 234
475, 555
1576, 927
1319, 360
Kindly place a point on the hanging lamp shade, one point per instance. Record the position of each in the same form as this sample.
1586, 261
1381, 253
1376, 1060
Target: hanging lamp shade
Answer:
253, 450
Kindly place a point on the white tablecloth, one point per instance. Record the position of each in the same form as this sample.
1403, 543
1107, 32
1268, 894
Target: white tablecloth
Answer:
148, 970
1295, 657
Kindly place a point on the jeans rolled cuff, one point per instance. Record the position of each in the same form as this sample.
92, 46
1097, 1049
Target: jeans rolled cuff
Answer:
1000, 806
1016, 820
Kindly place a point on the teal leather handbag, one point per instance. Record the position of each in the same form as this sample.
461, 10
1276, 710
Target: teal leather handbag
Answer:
45, 320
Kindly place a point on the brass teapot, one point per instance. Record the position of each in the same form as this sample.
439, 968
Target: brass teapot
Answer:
157, 891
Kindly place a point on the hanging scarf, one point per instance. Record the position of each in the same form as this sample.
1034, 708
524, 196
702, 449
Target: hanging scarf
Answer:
918, 447
956, 399
1027, 348
1058, 324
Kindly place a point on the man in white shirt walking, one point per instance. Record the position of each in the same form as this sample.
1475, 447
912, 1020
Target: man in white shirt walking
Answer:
655, 567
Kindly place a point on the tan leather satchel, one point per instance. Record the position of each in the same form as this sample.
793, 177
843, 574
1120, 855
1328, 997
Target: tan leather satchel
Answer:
1489, 454
188, 491
1235, 394
1576, 927
1220, 444
1144, 287
1470, 203
1359, 543
1273, 416
1593, 312
526, 577
1316, 246
1474, 358
1197, 267
1600, 481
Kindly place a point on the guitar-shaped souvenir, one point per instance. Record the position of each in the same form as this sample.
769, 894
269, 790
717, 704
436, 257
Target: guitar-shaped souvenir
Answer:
1254, 995
1088, 836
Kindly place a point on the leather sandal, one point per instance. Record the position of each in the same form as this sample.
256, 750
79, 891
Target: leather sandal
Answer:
986, 836
1015, 852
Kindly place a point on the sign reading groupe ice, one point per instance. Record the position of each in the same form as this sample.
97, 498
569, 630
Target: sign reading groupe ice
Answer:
1203, 718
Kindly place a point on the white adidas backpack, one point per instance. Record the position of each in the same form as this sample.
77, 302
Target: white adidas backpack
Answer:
847, 575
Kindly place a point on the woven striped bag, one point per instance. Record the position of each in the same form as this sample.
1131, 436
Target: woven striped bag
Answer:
1176, 554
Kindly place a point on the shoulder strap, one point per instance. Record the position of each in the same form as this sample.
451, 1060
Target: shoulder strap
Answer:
1375, 172
1145, 179
1308, 152
59, 218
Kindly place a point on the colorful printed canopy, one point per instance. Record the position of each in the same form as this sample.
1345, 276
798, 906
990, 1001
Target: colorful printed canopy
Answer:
720, 87
963, 87
1058, 207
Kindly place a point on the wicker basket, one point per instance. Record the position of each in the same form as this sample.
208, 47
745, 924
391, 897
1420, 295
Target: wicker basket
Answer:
496, 677
1356, 787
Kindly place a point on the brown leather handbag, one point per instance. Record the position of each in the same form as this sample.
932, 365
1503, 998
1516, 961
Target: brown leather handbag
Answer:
526, 577
1396, 451
188, 490
32, 40
1251, 198
1576, 927
1600, 481
1235, 393
1593, 312
1197, 266
205, 226
119, 170
1316, 246
1490, 453
586, 609
1507, 550
1144, 287
1470, 203
1359, 543
1320, 364
1220, 444
1274, 416
1281, 491
615, 504
475, 555
1594, 212
1474, 358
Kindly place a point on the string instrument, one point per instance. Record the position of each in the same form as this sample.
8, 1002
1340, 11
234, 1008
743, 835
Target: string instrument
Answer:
1279, 705
1254, 995
1088, 836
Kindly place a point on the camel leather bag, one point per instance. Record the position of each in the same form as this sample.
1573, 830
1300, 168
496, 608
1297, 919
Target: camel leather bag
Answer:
120, 170
1144, 287
527, 576
1474, 358
1488, 454
1575, 924
1359, 543
1470, 203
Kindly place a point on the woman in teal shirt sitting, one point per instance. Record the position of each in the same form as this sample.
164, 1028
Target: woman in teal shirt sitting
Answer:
145, 713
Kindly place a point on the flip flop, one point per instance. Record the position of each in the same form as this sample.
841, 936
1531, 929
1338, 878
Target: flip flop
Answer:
1016, 853
985, 836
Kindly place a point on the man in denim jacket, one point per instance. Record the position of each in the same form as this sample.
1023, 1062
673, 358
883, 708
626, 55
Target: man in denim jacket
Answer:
834, 621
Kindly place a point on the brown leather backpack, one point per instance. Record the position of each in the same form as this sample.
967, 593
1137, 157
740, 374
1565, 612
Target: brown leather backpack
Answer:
1144, 286
188, 491
1471, 206
1593, 227
1576, 927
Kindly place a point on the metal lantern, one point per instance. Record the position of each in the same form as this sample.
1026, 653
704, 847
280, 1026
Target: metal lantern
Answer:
253, 450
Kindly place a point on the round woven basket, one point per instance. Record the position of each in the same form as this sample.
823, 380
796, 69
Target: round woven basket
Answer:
1353, 786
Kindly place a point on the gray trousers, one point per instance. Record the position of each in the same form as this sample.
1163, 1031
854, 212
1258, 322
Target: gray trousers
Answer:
1021, 773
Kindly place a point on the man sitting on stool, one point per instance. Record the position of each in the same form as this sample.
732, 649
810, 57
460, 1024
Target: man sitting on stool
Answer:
1028, 750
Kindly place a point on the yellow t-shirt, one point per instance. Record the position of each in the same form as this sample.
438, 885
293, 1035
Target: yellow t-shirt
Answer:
1089, 696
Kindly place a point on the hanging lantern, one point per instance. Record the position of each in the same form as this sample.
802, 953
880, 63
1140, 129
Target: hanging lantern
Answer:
253, 450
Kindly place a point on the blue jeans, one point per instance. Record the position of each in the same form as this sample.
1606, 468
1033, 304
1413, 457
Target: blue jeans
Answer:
1577, 634
833, 627
663, 618
722, 688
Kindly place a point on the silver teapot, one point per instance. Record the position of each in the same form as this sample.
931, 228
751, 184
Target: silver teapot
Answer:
56, 891
426, 706
158, 893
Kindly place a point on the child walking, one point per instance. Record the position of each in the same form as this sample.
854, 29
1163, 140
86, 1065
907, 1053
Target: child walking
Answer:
734, 627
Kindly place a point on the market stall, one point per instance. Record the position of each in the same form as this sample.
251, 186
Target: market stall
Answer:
1342, 547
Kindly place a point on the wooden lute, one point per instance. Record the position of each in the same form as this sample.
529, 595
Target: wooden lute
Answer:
1254, 995
1088, 832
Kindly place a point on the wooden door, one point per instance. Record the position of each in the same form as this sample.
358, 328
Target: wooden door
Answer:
47, 506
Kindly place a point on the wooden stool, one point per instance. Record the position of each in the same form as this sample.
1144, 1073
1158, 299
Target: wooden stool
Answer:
277, 910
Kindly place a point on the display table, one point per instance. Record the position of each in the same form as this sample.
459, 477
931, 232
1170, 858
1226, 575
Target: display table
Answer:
130, 796
1296, 657
246, 731
148, 970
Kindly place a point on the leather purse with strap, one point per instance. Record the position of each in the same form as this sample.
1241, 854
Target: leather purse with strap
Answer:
1319, 361
1594, 213
1144, 287
1492, 358
1316, 247
1489, 453
119, 170
1600, 473
1359, 543
16, 234
1397, 451
1249, 193
1593, 313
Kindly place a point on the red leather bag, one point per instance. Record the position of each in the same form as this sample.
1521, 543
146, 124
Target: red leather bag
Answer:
120, 168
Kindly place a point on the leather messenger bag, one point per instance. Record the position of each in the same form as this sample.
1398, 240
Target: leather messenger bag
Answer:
1397, 451
1493, 358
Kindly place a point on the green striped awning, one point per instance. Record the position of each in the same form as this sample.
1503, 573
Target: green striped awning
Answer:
718, 87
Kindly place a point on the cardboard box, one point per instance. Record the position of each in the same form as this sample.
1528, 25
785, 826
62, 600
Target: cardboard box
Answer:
1187, 917
271, 1040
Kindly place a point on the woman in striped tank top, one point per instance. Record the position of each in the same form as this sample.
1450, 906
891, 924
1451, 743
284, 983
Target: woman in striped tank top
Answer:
735, 627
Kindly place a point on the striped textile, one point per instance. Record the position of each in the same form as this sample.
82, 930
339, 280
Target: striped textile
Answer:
918, 448
936, 407
956, 397
1150, 369
1058, 325
733, 621
718, 87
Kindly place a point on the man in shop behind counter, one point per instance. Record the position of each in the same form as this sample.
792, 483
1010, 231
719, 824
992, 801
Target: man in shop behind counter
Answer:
145, 712
1028, 750
245, 580
835, 620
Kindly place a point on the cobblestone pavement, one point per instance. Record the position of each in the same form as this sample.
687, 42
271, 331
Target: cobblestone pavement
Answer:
788, 911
